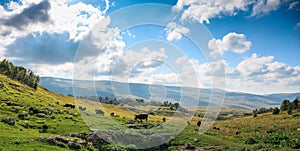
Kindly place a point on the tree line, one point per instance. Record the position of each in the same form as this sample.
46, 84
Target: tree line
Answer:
286, 105
18, 73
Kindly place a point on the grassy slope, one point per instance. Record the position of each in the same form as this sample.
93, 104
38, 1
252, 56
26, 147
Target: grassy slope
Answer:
19, 138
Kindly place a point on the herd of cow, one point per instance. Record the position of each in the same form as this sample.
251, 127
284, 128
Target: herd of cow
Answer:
139, 117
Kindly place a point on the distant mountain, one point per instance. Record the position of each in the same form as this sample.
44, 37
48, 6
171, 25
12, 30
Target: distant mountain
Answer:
117, 89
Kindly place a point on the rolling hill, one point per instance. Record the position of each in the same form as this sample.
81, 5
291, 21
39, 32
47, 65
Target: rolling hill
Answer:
65, 129
105, 88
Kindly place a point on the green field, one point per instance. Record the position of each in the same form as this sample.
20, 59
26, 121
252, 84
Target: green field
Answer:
265, 132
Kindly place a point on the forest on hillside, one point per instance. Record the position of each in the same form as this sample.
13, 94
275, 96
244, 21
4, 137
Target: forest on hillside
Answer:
18, 73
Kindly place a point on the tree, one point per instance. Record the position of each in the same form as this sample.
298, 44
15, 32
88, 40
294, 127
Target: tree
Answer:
276, 111
284, 105
290, 109
20, 74
296, 103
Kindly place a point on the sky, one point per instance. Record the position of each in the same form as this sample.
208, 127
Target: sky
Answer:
248, 46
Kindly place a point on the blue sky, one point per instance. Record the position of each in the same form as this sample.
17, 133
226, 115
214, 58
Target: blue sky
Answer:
254, 44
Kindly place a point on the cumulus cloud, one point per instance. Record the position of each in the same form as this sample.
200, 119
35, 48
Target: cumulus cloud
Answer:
33, 14
55, 16
43, 48
263, 7
256, 74
254, 65
261, 74
204, 10
232, 41
61, 70
175, 31
132, 62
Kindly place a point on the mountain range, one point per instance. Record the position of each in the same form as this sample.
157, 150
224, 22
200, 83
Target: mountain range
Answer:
186, 95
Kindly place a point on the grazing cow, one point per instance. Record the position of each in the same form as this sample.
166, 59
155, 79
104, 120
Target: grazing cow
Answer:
237, 133
70, 106
112, 114
141, 117
164, 119
198, 123
82, 108
99, 112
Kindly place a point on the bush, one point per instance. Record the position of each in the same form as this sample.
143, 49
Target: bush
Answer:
276, 111
250, 140
44, 128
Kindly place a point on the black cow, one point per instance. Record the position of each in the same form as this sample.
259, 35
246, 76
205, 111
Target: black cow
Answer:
112, 114
70, 106
141, 117
198, 123
164, 119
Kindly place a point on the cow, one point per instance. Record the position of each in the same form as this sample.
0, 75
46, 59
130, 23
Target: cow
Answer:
198, 123
82, 108
70, 106
112, 114
164, 120
141, 117
99, 112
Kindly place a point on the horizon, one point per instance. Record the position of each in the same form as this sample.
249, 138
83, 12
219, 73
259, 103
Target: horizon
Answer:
169, 86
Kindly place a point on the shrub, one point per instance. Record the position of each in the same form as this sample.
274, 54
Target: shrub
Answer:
276, 111
250, 140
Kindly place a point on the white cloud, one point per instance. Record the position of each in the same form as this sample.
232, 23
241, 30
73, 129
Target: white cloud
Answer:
175, 31
256, 74
232, 41
61, 70
254, 65
204, 10
76, 19
263, 7
263, 75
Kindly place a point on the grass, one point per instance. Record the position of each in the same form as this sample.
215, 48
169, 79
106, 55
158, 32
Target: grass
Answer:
272, 132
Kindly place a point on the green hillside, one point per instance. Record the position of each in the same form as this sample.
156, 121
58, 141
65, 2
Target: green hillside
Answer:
42, 130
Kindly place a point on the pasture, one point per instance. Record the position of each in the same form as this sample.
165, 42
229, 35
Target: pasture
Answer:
46, 117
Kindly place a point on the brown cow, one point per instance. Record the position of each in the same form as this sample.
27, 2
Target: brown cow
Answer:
141, 117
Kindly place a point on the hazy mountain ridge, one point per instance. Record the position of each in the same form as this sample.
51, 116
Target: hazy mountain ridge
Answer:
104, 88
